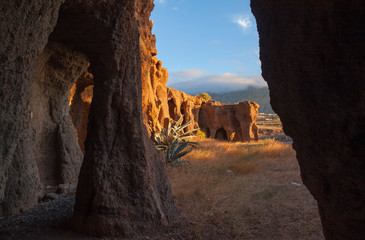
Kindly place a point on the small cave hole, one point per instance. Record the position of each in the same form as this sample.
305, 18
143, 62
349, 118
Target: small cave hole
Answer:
172, 108
81, 95
221, 134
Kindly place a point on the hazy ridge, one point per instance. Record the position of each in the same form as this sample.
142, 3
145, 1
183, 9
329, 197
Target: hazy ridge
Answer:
258, 95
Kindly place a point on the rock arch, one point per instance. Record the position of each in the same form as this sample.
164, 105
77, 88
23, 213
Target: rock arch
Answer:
122, 187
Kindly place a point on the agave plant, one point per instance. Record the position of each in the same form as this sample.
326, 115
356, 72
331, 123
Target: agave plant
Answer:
173, 141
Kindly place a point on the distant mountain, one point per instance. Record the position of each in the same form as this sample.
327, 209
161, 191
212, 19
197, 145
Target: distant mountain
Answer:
258, 95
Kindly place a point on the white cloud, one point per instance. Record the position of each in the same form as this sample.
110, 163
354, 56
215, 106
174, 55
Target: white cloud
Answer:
160, 1
243, 21
187, 75
175, 8
197, 81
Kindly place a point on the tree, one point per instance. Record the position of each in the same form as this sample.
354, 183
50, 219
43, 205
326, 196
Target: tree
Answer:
204, 96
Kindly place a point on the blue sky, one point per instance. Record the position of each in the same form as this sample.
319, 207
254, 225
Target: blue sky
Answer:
207, 45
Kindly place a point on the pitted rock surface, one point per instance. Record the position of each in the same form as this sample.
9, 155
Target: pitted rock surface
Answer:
312, 55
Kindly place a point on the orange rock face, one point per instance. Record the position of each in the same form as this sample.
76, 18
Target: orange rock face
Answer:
229, 122
180, 103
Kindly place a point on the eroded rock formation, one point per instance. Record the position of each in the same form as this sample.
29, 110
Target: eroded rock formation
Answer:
182, 104
122, 188
312, 55
229, 122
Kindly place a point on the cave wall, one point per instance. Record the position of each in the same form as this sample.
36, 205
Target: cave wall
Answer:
312, 55
25, 27
54, 144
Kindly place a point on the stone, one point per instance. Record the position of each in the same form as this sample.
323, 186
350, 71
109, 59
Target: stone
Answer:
182, 104
65, 189
312, 55
23, 37
229, 122
50, 197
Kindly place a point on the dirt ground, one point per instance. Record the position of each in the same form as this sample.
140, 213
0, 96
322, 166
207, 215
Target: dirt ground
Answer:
226, 191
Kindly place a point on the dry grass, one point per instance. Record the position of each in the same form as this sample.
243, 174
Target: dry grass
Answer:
244, 191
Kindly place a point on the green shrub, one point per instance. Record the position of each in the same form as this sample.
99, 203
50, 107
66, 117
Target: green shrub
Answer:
204, 96
200, 135
173, 141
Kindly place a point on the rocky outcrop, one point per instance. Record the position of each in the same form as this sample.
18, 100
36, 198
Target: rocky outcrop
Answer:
154, 95
229, 122
122, 188
182, 104
312, 55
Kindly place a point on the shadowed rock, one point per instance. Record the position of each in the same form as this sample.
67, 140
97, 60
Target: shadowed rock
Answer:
312, 55
122, 189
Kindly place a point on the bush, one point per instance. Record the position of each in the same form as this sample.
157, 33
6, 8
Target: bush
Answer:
200, 135
204, 96
173, 141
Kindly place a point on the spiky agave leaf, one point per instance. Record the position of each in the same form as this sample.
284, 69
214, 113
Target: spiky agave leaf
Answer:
173, 141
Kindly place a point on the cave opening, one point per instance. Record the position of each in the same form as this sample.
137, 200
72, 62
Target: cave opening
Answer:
63, 91
221, 134
184, 113
59, 156
81, 95
172, 109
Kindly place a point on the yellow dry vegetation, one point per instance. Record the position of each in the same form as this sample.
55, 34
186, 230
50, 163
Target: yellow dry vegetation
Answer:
244, 191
